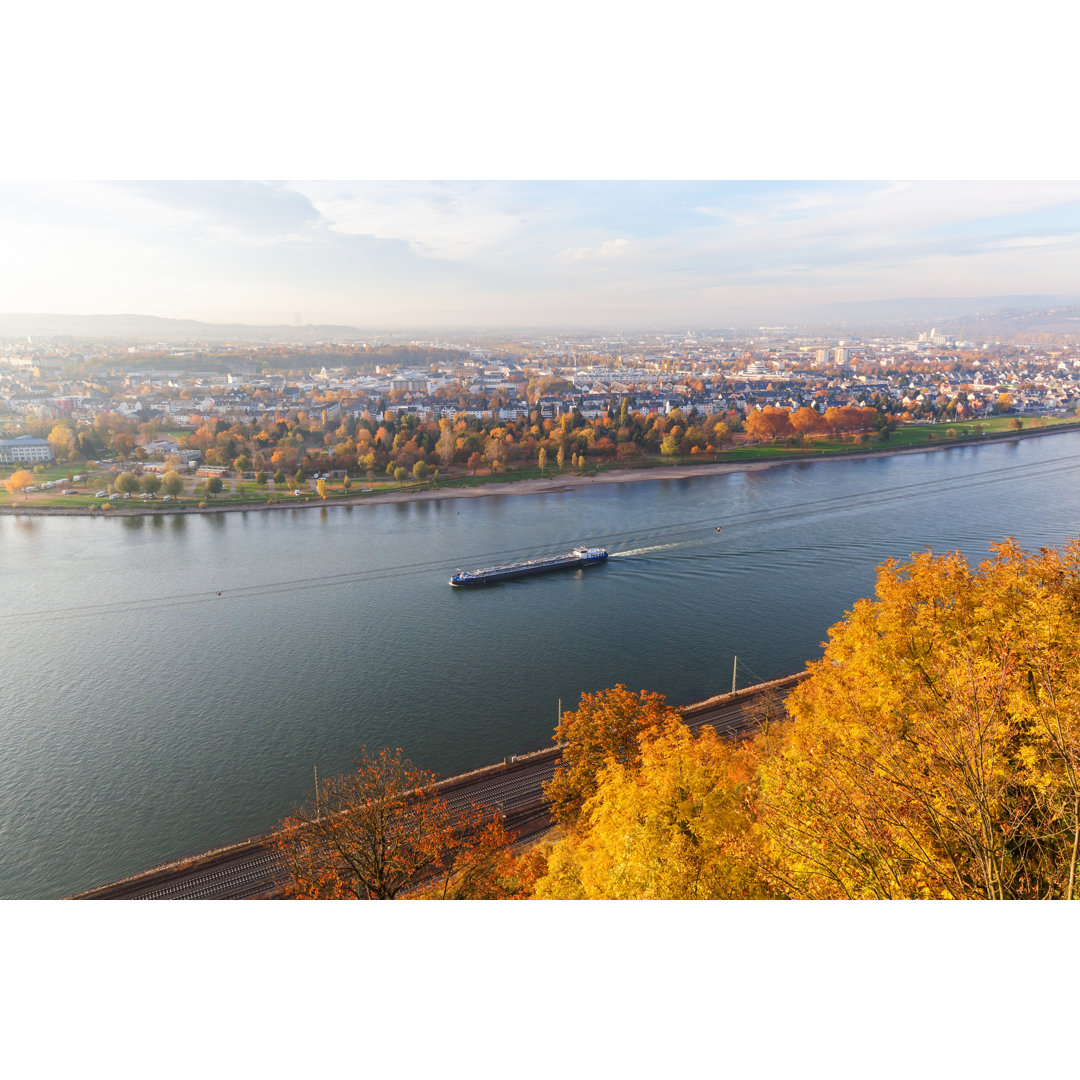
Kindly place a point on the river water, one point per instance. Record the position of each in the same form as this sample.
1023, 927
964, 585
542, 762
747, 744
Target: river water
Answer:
169, 683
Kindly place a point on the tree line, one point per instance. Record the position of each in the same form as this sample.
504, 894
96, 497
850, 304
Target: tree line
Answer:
384, 440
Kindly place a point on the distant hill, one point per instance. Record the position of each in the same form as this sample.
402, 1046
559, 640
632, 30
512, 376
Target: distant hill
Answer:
151, 328
980, 316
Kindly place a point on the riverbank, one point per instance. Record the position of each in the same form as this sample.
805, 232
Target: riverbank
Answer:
533, 485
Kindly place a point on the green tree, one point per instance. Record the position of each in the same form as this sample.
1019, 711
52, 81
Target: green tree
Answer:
214, 485
401, 474
173, 483
421, 470
279, 477
150, 483
127, 483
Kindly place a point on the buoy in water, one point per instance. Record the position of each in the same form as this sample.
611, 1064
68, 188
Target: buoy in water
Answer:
719, 528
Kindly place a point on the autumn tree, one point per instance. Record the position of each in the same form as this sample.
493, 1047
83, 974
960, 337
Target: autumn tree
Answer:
126, 482
62, 441
447, 444
482, 863
150, 483
671, 828
541, 459
320, 487
495, 453
19, 480
370, 834
769, 424
935, 749
172, 483
669, 447
605, 725
808, 422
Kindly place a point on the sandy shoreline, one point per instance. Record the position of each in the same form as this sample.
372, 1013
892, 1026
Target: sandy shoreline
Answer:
531, 486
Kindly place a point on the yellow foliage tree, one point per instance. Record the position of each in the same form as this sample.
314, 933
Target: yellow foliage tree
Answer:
62, 441
935, 748
671, 828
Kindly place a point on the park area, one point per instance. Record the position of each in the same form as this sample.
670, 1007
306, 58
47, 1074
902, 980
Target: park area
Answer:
136, 487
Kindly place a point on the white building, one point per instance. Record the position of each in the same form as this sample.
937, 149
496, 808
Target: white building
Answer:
24, 450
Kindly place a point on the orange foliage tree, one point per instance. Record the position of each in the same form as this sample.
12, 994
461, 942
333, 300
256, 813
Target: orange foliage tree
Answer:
19, 480
771, 423
848, 419
808, 422
606, 725
371, 834
384, 831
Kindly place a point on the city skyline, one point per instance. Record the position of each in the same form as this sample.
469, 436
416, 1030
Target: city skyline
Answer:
514, 253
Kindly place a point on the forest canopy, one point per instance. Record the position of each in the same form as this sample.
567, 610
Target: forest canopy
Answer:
932, 752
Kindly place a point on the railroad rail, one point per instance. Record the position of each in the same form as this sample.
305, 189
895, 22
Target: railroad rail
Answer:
252, 869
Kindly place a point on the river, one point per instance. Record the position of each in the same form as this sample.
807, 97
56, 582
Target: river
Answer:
170, 682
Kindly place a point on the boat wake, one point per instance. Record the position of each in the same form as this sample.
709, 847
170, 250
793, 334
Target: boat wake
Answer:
646, 550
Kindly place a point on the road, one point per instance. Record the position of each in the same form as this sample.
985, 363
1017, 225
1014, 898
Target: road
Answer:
252, 870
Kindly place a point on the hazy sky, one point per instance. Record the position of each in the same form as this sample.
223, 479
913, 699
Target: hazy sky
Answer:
427, 254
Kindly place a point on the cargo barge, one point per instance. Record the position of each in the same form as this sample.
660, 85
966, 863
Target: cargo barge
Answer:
582, 556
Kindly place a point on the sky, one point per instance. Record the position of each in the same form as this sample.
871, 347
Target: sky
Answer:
483, 166
503, 254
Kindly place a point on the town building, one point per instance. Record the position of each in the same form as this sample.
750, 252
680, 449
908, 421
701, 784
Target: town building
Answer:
25, 450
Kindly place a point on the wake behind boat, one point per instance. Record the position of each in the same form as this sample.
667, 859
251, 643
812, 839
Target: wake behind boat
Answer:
580, 556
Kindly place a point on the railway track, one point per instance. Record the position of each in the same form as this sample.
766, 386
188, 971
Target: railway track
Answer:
252, 869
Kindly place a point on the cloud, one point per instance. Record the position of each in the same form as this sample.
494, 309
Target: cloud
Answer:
1034, 241
452, 220
607, 250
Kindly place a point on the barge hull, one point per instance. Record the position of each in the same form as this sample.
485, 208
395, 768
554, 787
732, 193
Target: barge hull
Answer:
493, 574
